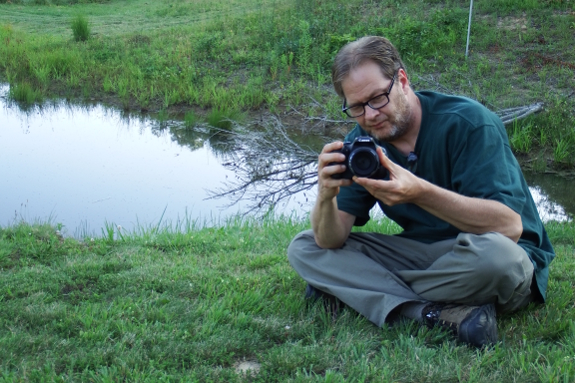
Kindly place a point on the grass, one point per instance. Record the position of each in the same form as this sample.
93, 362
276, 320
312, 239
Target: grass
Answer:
24, 94
190, 304
258, 55
80, 28
220, 118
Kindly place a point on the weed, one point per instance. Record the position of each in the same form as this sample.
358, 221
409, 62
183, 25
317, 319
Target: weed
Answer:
80, 28
561, 150
304, 49
41, 72
190, 119
222, 118
521, 138
286, 60
24, 93
543, 138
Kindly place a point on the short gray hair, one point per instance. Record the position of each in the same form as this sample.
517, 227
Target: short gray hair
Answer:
375, 48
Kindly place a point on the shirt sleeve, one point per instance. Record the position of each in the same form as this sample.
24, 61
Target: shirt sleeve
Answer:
483, 166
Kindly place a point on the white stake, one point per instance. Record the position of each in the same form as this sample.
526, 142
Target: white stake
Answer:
468, 29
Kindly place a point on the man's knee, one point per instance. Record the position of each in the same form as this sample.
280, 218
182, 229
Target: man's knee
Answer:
496, 257
299, 245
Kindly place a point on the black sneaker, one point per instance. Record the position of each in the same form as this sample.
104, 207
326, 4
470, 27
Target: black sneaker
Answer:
474, 325
332, 304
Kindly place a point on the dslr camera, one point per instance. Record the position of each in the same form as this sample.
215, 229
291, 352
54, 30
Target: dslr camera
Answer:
361, 160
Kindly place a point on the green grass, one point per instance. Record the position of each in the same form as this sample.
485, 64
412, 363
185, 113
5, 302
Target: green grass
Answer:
80, 28
24, 93
258, 55
189, 304
221, 118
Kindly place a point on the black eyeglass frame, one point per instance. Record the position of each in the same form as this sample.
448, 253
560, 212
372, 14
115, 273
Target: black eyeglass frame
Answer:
345, 109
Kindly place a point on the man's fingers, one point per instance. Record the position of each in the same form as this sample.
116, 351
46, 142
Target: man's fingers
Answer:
333, 169
332, 146
386, 162
368, 183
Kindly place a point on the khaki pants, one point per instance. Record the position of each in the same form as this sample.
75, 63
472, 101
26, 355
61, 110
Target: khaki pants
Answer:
375, 273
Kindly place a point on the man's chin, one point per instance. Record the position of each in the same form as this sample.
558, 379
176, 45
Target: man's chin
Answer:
381, 134
388, 134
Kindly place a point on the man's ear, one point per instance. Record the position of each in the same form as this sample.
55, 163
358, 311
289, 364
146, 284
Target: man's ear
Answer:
403, 79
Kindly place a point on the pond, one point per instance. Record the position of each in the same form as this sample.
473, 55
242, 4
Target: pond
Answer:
86, 167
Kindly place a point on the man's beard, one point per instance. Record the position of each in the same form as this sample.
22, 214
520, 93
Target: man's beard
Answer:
399, 122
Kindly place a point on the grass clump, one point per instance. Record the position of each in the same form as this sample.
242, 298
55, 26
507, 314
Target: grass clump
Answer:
192, 303
80, 28
224, 118
190, 119
23, 93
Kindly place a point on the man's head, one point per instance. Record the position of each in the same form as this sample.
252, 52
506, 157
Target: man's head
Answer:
370, 48
368, 74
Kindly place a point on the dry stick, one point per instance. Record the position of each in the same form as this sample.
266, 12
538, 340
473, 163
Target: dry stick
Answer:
508, 116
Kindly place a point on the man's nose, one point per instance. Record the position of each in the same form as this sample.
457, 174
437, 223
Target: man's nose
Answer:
370, 113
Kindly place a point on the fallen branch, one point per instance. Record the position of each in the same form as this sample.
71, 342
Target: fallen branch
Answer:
269, 166
510, 115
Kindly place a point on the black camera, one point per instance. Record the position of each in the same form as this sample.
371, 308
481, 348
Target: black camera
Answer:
361, 160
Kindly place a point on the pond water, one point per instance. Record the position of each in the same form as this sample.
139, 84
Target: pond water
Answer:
86, 167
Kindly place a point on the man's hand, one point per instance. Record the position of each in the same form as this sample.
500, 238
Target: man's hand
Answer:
328, 187
471, 215
331, 226
402, 187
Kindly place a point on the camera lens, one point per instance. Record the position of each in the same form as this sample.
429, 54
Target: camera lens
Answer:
363, 162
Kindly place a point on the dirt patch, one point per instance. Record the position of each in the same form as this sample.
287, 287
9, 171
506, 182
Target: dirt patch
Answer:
512, 23
247, 367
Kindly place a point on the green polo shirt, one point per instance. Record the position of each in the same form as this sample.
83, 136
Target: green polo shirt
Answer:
463, 147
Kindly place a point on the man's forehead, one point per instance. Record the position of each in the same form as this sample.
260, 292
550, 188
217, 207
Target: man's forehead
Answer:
364, 81
367, 70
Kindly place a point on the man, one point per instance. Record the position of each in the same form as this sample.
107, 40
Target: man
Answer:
472, 241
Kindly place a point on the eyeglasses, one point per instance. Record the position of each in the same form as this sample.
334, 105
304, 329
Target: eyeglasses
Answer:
374, 103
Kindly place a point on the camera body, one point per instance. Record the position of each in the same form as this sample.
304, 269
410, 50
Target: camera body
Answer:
361, 160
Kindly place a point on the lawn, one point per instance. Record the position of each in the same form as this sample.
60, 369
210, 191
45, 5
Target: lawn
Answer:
185, 303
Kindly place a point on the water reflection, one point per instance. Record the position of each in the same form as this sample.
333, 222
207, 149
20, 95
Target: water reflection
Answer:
85, 166
553, 196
